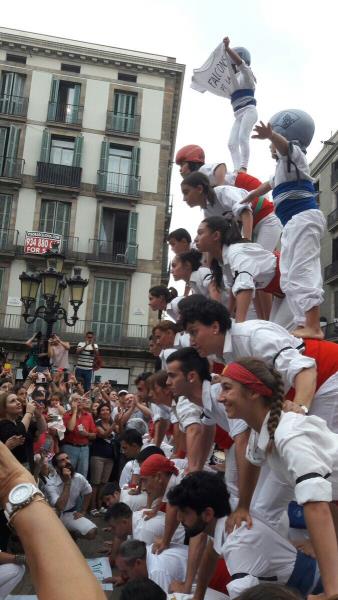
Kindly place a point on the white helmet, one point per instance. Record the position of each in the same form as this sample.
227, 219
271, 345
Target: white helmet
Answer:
295, 125
244, 54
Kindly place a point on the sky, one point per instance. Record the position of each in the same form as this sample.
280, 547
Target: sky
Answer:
293, 52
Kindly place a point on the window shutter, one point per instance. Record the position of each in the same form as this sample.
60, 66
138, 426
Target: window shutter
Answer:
74, 109
135, 164
77, 151
54, 95
104, 159
6, 93
3, 137
45, 146
12, 151
131, 238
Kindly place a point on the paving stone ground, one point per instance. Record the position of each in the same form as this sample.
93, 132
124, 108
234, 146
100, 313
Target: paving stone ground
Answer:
90, 549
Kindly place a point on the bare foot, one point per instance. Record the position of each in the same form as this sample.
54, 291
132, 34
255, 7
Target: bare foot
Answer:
308, 332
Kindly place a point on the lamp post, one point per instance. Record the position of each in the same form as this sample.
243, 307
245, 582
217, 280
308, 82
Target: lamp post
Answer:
53, 284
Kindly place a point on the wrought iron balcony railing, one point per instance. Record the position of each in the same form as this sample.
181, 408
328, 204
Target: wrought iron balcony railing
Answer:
8, 240
70, 114
332, 219
11, 168
118, 183
118, 253
58, 175
15, 106
128, 125
331, 272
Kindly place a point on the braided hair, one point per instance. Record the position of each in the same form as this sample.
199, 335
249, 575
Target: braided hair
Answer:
273, 380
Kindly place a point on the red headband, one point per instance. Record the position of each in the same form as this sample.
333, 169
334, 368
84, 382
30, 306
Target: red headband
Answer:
238, 373
155, 463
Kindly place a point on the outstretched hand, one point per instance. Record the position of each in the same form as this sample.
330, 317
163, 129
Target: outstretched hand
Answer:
262, 131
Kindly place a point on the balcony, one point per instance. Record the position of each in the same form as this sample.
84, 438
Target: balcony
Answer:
123, 124
8, 241
331, 272
117, 184
125, 335
332, 219
62, 176
112, 253
13, 106
65, 114
12, 169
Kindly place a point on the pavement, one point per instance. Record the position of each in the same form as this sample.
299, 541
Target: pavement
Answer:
89, 548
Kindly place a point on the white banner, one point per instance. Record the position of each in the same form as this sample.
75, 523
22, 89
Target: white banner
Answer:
214, 76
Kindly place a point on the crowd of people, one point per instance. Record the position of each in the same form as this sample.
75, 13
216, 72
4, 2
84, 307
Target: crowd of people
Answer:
218, 477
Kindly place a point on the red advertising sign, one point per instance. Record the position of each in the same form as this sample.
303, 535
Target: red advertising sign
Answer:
40, 242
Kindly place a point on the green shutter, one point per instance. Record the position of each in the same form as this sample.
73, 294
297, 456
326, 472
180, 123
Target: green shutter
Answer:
77, 151
6, 85
54, 95
45, 146
135, 164
12, 151
131, 238
3, 138
104, 159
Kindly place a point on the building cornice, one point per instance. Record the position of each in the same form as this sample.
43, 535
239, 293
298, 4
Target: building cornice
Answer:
325, 156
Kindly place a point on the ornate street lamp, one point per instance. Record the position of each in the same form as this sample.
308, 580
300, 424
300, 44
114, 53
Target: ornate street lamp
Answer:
53, 284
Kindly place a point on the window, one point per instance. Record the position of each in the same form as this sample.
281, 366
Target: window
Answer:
5, 219
114, 234
70, 68
334, 173
62, 151
55, 217
12, 86
127, 77
2, 277
64, 102
119, 167
16, 58
335, 250
9, 143
108, 309
124, 112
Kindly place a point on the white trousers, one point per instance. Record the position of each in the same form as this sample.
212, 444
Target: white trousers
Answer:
239, 140
281, 314
82, 526
301, 278
267, 232
10, 576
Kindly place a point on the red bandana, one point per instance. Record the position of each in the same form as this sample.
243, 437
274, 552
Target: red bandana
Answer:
242, 375
155, 463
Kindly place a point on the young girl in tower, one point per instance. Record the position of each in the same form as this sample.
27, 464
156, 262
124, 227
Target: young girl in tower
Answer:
246, 265
217, 201
290, 133
300, 450
267, 227
242, 87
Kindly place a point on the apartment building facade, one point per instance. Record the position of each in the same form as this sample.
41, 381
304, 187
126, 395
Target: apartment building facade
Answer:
87, 136
324, 168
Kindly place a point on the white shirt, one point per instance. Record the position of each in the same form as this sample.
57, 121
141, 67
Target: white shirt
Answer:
160, 411
79, 486
214, 412
172, 308
228, 199
181, 340
148, 530
282, 175
259, 552
209, 172
267, 340
168, 566
242, 79
130, 468
303, 445
200, 280
188, 413
255, 266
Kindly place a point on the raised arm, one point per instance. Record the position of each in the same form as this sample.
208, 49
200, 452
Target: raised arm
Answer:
264, 132
236, 59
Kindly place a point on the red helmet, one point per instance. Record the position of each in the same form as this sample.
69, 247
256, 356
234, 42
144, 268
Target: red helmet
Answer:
190, 153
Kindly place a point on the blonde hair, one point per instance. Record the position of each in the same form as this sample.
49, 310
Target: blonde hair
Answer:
273, 380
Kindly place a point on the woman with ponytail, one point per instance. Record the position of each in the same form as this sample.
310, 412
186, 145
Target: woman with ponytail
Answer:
188, 267
247, 268
197, 191
300, 449
164, 299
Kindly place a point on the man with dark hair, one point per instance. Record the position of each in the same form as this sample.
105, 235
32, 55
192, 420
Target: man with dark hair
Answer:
131, 443
160, 417
134, 560
251, 555
179, 240
142, 589
64, 490
111, 494
86, 352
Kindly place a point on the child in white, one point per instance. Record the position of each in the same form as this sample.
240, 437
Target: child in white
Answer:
304, 224
243, 102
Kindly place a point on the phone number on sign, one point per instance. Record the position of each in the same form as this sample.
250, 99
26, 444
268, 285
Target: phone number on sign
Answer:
38, 245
